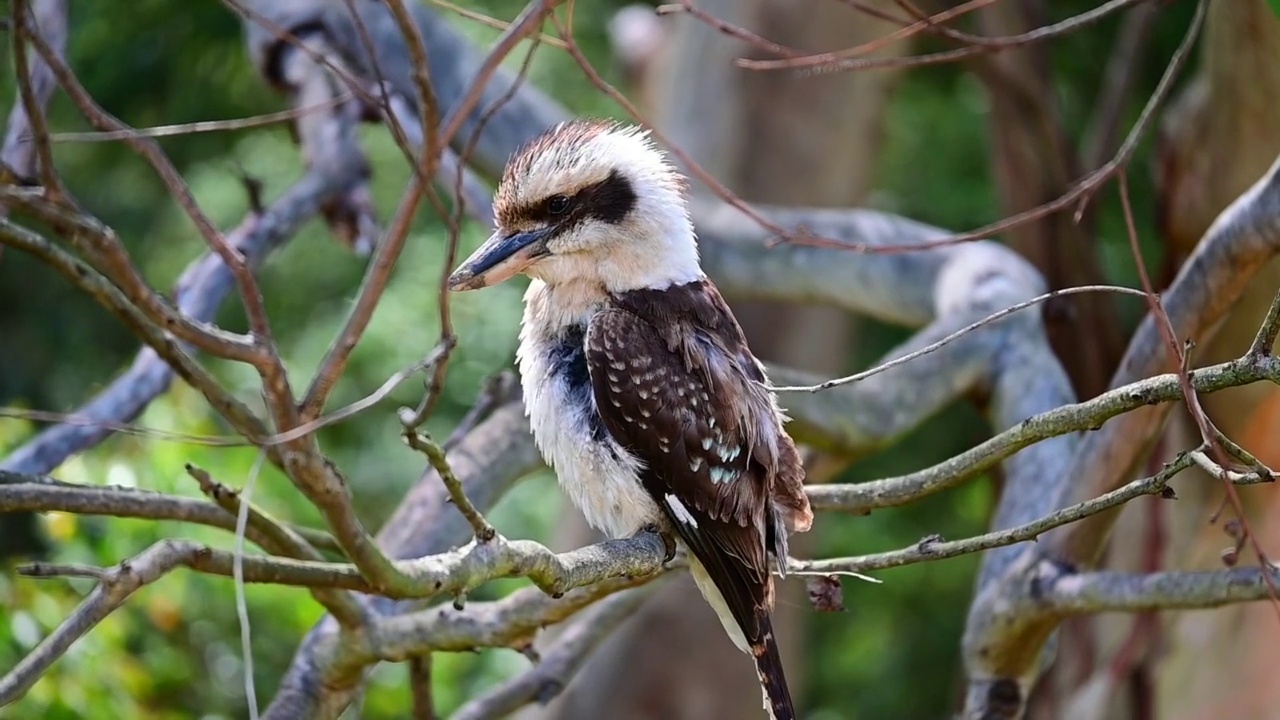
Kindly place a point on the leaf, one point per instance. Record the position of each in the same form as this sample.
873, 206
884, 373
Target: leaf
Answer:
1275, 6
825, 593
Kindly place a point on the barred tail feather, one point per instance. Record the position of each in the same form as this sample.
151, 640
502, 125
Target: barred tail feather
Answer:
777, 699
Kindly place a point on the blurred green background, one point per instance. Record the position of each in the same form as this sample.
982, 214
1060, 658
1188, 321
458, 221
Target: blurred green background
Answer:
173, 651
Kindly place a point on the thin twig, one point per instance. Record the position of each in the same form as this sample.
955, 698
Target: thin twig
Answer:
34, 87
484, 532
242, 606
856, 377
21, 492
686, 7
202, 126
1076, 197
1265, 340
493, 22
424, 707
1191, 399
934, 548
839, 61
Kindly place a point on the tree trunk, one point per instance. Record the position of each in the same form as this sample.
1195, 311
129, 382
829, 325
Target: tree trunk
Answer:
1217, 140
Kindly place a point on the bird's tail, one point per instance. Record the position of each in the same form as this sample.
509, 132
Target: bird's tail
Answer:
777, 699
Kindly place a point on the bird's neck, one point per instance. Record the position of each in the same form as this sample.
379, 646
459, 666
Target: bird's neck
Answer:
549, 308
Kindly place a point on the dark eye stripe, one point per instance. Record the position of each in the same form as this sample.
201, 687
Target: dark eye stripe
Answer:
609, 200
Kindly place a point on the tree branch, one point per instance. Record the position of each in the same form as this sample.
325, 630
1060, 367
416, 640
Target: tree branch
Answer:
557, 665
27, 153
336, 164
115, 586
935, 548
1098, 592
21, 492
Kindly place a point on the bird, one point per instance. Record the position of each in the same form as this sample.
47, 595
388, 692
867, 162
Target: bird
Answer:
641, 392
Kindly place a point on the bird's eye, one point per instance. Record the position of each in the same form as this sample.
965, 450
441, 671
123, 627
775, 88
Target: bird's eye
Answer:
558, 205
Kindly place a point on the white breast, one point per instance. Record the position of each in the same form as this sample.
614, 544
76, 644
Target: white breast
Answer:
599, 476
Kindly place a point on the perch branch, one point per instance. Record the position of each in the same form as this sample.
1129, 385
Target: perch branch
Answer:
455, 572
511, 622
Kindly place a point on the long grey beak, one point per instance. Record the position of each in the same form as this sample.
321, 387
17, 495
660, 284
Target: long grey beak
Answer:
499, 258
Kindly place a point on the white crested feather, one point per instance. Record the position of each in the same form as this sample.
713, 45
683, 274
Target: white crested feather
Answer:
653, 247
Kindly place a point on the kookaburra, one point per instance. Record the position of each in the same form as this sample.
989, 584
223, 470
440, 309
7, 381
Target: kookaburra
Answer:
641, 391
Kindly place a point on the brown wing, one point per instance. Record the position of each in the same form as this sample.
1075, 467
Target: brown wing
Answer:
668, 390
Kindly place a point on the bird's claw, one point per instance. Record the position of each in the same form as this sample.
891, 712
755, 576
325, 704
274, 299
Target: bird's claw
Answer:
668, 541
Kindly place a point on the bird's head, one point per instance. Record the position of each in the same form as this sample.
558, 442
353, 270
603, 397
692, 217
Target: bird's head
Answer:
588, 202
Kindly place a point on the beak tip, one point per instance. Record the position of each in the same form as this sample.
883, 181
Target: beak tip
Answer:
458, 281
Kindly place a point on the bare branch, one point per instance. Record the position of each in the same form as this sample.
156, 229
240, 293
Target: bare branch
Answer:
484, 532
512, 621
420, 687
335, 166
20, 492
107, 294
114, 588
202, 126
102, 249
1083, 190
1091, 414
557, 665
1265, 340
838, 62
279, 539
456, 572
935, 548
1098, 592
902, 359
26, 150
151, 152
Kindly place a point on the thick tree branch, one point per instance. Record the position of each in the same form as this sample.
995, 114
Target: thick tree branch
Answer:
1098, 592
557, 665
456, 572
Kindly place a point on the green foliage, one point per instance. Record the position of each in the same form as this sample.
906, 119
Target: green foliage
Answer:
173, 651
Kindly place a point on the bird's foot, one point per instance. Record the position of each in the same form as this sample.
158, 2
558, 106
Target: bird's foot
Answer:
668, 541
